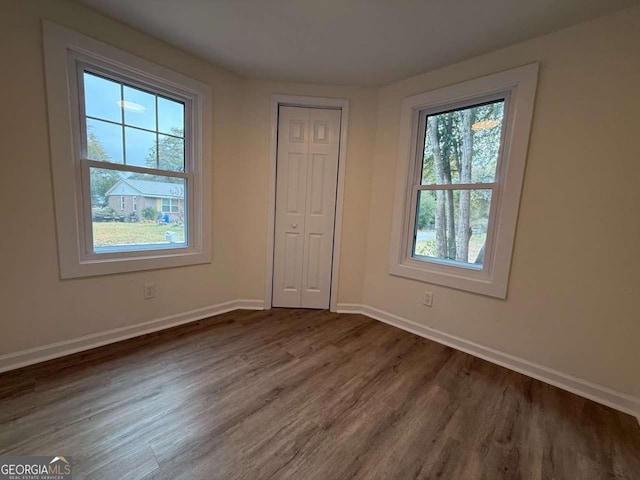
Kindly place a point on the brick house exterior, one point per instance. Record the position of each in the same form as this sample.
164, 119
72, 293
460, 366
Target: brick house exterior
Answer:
130, 197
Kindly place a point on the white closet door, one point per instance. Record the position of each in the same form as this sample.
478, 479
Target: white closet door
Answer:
307, 173
291, 196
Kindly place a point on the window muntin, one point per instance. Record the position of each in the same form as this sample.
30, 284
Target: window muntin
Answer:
148, 130
138, 148
454, 182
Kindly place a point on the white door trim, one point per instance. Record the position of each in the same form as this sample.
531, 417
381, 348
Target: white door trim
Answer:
318, 102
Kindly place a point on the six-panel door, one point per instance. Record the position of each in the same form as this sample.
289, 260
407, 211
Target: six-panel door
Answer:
307, 171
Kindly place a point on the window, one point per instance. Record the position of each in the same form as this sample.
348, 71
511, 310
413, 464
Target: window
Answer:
454, 182
140, 133
135, 129
463, 150
170, 205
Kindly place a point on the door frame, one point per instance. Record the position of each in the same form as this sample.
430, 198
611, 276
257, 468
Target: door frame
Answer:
341, 104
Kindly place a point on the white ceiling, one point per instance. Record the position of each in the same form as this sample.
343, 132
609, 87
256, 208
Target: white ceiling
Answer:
347, 42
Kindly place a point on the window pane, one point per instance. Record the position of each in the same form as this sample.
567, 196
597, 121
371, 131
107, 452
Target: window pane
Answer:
102, 98
140, 147
452, 225
462, 146
139, 108
150, 225
170, 117
104, 141
171, 153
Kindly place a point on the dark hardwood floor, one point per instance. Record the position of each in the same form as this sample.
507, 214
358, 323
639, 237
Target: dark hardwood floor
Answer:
304, 394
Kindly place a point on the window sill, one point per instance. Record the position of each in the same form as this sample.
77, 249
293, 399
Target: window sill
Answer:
460, 278
102, 264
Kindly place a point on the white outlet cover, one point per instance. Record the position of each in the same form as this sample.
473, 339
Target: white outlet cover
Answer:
149, 290
428, 299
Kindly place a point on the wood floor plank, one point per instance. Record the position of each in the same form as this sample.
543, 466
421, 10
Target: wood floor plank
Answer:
305, 394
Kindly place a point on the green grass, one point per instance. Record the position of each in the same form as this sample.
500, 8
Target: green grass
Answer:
428, 247
121, 233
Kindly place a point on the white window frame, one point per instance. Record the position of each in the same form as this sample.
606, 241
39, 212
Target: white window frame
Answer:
134, 203
122, 203
517, 86
66, 51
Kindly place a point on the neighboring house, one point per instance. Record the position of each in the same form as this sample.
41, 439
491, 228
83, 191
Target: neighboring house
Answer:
130, 197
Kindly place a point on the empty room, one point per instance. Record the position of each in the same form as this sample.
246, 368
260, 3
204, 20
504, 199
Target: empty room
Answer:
350, 239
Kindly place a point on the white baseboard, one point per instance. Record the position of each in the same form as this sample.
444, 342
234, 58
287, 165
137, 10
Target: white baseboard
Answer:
23, 358
598, 393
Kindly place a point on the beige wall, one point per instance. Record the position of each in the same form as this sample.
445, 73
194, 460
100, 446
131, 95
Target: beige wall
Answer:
37, 307
575, 269
575, 273
252, 176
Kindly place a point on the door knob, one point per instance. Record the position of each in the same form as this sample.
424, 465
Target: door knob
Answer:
294, 225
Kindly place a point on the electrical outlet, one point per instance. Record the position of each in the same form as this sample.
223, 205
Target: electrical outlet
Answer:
427, 300
149, 290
